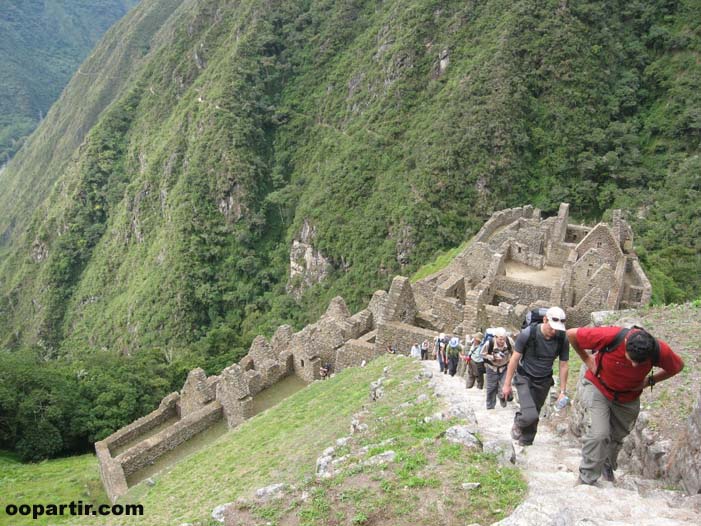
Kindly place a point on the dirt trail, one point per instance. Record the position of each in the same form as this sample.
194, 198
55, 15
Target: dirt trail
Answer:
550, 466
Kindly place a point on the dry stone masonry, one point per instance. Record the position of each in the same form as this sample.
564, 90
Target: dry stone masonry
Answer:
517, 261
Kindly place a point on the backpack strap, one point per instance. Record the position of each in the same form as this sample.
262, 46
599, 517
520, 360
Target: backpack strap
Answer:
610, 347
530, 343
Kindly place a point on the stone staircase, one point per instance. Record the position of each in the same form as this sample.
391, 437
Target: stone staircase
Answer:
550, 466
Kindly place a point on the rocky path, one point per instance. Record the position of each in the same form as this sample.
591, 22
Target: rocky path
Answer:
550, 466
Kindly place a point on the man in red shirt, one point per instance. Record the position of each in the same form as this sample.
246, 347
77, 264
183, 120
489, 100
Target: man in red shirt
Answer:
611, 389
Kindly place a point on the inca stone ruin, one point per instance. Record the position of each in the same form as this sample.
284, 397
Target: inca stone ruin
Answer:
517, 261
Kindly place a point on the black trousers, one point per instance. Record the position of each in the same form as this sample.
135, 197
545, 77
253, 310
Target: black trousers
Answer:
453, 364
532, 393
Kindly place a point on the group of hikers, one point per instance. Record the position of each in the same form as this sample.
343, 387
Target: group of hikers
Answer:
619, 364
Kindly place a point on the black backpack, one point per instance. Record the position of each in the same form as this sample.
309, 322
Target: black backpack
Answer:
534, 316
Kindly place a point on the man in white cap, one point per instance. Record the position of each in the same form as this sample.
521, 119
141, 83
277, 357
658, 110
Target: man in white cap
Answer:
531, 367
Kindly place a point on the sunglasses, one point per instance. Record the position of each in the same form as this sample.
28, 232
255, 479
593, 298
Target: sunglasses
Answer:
557, 320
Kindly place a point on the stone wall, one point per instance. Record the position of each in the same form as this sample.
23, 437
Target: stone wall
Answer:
423, 293
377, 307
400, 305
167, 410
359, 324
234, 394
557, 254
196, 393
604, 279
111, 472
502, 218
354, 353
502, 315
579, 315
575, 233
639, 277
479, 259
601, 239
526, 293
523, 253
147, 451
401, 336
583, 270
449, 313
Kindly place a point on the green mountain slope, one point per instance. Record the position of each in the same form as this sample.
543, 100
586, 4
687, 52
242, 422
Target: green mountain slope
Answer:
388, 129
41, 46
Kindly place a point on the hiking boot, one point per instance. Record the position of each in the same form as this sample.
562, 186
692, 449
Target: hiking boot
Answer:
581, 482
607, 473
516, 433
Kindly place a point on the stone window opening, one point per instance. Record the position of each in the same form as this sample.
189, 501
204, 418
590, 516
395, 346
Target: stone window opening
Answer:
302, 363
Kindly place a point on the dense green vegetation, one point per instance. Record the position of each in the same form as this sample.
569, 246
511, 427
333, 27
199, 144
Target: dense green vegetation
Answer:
153, 210
41, 47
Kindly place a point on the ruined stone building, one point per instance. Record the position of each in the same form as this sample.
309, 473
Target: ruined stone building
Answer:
517, 261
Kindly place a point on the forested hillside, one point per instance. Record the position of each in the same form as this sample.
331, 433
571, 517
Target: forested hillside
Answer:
158, 224
41, 45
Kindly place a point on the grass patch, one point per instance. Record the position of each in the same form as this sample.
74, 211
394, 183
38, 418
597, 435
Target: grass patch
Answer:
423, 483
58, 481
441, 261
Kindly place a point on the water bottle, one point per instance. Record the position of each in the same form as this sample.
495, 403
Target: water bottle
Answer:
562, 402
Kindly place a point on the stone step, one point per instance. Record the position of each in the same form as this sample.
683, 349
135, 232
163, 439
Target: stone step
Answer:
551, 466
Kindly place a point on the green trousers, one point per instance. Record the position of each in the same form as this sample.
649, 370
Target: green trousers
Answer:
607, 424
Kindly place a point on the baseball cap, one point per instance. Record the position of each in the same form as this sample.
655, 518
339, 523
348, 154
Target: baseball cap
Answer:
556, 318
454, 342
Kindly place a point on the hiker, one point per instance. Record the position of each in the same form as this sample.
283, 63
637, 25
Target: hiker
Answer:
475, 363
496, 354
610, 394
325, 371
462, 359
531, 371
415, 351
439, 345
391, 350
453, 353
424, 349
